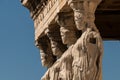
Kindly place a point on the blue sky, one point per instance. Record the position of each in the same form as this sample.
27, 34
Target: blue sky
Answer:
19, 58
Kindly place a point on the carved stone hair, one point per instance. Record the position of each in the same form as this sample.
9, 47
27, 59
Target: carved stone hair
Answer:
53, 32
66, 20
44, 44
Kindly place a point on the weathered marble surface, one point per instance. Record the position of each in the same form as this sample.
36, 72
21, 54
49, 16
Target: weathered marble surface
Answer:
71, 46
83, 58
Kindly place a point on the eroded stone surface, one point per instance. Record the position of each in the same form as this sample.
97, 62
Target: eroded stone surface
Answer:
69, 41
82, 59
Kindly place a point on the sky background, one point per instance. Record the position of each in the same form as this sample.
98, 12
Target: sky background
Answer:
20, 59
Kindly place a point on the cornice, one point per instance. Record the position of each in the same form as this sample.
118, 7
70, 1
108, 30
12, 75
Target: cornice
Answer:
34, 6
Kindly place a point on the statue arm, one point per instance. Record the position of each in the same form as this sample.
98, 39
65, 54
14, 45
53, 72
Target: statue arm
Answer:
96, 40
86, 54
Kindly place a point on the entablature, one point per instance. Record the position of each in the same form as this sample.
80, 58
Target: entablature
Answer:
44, 12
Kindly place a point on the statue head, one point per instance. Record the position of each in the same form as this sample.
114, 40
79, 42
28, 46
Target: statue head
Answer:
68, 30
53, 32
47, 58
84, 13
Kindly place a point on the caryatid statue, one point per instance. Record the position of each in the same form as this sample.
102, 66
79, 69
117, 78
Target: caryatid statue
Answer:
86, 51
46, 54
84, 16
82, 59
62, 68
53, 33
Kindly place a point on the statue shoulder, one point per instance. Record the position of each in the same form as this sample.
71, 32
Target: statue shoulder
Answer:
46, 75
